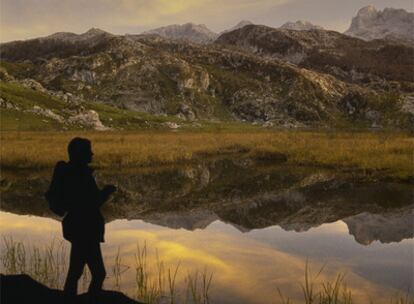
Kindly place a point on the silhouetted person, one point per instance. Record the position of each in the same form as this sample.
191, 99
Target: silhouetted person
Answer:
83, 224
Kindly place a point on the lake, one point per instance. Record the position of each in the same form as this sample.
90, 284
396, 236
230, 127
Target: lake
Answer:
255, 226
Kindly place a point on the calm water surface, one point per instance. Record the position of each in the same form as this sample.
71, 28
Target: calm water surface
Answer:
254, 227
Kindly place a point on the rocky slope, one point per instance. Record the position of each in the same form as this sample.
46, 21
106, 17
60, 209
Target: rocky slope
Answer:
256, 74
394, 24
349, 59
197, 33
300, 26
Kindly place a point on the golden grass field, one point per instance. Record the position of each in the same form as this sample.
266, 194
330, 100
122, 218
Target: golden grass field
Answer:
386, 154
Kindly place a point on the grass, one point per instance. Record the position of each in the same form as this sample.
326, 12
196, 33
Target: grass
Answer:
45, 265
334, 292
48, 266
331, 292
26, 121
19, 70
26, 98
378, 155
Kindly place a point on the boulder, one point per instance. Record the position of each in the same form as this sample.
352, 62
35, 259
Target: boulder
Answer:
90, 119
22, 289
48, 113
32, 84
172, 125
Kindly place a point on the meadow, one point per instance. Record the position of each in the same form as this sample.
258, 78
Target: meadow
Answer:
376, 155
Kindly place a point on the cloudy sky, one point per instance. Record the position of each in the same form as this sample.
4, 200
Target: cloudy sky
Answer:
22, 19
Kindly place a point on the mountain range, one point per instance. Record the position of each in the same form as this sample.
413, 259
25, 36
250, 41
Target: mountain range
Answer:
298, 75
394, 24
368, 24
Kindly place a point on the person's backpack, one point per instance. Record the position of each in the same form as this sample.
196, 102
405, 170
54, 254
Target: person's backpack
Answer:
55, 196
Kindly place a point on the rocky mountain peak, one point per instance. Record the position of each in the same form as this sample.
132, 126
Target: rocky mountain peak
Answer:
95, 31
368, 10
301, 25
72, 37
198, 33
61, 36
243, 23
194, 25
391, 23
239, 25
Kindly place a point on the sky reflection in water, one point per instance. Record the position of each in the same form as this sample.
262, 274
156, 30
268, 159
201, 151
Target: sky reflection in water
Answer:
247, 267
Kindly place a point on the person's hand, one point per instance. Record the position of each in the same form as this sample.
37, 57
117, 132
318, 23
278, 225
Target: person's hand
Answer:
109, 189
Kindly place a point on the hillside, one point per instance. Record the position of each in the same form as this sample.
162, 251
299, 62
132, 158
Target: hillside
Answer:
347, 58
254, 74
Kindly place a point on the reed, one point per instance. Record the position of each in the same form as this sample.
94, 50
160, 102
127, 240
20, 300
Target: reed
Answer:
402, 299
198, 292
45, 265
117, 270
48, 266
158, 284
330, 292
172, 276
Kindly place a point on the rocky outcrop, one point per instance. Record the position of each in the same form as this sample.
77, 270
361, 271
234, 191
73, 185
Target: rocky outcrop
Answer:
394, 24
197, 33
32, 84
89, 119
5, 104
47, 113
74, 115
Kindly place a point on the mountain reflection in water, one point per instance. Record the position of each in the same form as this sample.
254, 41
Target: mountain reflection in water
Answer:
253, 224
246, 194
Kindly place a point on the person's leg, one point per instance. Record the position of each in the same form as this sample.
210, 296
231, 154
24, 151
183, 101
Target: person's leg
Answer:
76, 264
96, 266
